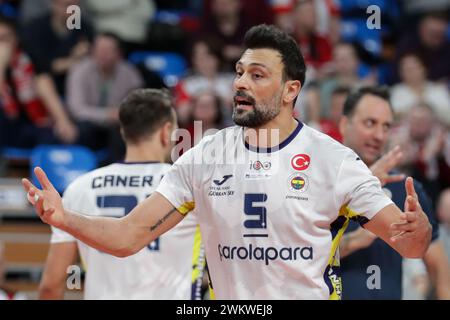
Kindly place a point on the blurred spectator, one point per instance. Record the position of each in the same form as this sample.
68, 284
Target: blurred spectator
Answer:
327, 13
6, 293
32, 9
315, 47
330, 126
206, 74
225, 20
415, 280
307, 105
206, 108
327, 17
128, 19
415, 89
52, 46
444, 164
421, 6
443, 211
179, 5
365, 127
422, 141
345, 64
257, 11
95, 88
283, 14
31, 112
431, 43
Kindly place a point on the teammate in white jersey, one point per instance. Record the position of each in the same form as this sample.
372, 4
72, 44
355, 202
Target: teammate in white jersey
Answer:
164, 268
271, 209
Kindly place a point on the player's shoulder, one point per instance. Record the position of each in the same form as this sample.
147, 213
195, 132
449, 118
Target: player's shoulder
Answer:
221, 135
217, 141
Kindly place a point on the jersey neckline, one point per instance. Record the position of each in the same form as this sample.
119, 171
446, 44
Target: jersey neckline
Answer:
137, 162
280, 146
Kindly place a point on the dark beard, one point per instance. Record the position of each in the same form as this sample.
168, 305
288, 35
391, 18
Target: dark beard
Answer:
252, 119
258, 116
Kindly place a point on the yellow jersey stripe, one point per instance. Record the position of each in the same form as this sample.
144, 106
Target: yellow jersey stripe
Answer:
186, 207
332, 261
198, 266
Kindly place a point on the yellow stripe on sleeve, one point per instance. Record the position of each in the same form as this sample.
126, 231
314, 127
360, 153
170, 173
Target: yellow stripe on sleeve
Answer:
186, 207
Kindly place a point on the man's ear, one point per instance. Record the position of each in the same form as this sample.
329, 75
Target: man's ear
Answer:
122, 135
343, 122
165, 133
291, 91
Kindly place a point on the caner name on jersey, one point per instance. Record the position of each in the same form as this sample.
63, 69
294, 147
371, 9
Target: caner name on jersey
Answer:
108, 181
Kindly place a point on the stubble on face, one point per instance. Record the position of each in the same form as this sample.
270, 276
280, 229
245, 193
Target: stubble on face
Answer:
260, 113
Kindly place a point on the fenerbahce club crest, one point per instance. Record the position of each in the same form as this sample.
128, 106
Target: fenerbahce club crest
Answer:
298, 182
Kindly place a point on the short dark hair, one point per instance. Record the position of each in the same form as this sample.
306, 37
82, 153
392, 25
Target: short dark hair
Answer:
341, 90
111, 35
414, 54
268, 36
144, 111
9, 22
213, 45
218, 121
355, 96
437, 15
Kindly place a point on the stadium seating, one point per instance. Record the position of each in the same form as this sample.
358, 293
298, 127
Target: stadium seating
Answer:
352, 5
62, 163
170, 66
16, 153
355, 30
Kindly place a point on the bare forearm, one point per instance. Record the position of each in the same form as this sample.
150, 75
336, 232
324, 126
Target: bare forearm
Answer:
110, 235
442, 283
409, 233
443, 288
120, 237
438, 268
354, 241
47, 92
61, 65
50, 293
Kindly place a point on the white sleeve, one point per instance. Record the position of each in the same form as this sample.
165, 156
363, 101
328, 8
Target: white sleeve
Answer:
176, 185
358, 191
58, 235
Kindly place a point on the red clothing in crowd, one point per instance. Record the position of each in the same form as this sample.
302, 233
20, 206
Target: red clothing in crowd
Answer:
330, 128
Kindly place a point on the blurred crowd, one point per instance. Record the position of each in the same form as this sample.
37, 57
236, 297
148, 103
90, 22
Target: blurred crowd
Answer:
61, 86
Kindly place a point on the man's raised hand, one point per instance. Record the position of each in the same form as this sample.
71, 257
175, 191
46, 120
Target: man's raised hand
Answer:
47, 202
414, 222
386, 163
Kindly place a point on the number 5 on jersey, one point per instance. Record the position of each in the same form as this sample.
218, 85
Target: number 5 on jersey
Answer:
258, 212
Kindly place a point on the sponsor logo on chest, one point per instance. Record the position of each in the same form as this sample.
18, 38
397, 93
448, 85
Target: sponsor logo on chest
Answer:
220, 187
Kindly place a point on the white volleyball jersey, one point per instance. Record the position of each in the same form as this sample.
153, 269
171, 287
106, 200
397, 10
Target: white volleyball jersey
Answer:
271, 219
168, 268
